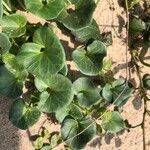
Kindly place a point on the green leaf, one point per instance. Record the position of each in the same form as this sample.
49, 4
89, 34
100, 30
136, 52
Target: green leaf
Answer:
137, 25
89, 61
22, 115
45, 56
112, 122
14, 67
146, 81
14, 25
131, 3
47, 9
54, 139
88, 32
64, 70
62, 113
10, 85
71, 128
72, 110
4, 43
57, 92
118, 92
80, 17
86, 92
38, 143
46, 147
75, 112
107, 93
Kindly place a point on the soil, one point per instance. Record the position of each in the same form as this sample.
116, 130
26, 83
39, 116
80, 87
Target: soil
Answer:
110, 17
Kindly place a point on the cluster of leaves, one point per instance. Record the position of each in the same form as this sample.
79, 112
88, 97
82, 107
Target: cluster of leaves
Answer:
35, 54
139, 28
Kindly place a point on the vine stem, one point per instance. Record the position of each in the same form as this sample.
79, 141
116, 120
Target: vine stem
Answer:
143, 96
127, 33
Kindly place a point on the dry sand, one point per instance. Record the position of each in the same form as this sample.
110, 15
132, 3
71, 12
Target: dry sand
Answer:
12, 138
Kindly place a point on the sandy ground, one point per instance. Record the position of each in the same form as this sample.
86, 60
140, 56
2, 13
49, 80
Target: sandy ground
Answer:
13, 139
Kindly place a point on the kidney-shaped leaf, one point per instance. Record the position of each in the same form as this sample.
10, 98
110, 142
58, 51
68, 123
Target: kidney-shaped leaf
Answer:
71, 128
47, 9
86, 92
80, 17
4, 43
90, 61
118, 92
71, 110
14, 25
22, 115
88, 32
57, 92
45, 56
10, 85
112, 122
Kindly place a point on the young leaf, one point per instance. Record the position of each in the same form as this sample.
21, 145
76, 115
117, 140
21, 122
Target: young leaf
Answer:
45, 56
71, 127
14, 25
4, 43
57, 92
90, 62
88, 32
146, 81
47, 9
113, 122
10, 85
54, 139
80, 17
86, 92
38, 143
22, 115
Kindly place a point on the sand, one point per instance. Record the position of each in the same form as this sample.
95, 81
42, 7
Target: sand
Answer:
11, 138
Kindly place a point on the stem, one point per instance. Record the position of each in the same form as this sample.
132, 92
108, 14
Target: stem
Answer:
127, 34
143, 96
143, 126
6, 6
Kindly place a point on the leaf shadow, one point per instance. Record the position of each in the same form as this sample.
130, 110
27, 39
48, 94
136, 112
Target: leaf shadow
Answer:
137, 102
108, 137
121, 23
9, 134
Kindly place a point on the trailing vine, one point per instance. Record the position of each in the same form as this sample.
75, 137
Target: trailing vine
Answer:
33, 57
